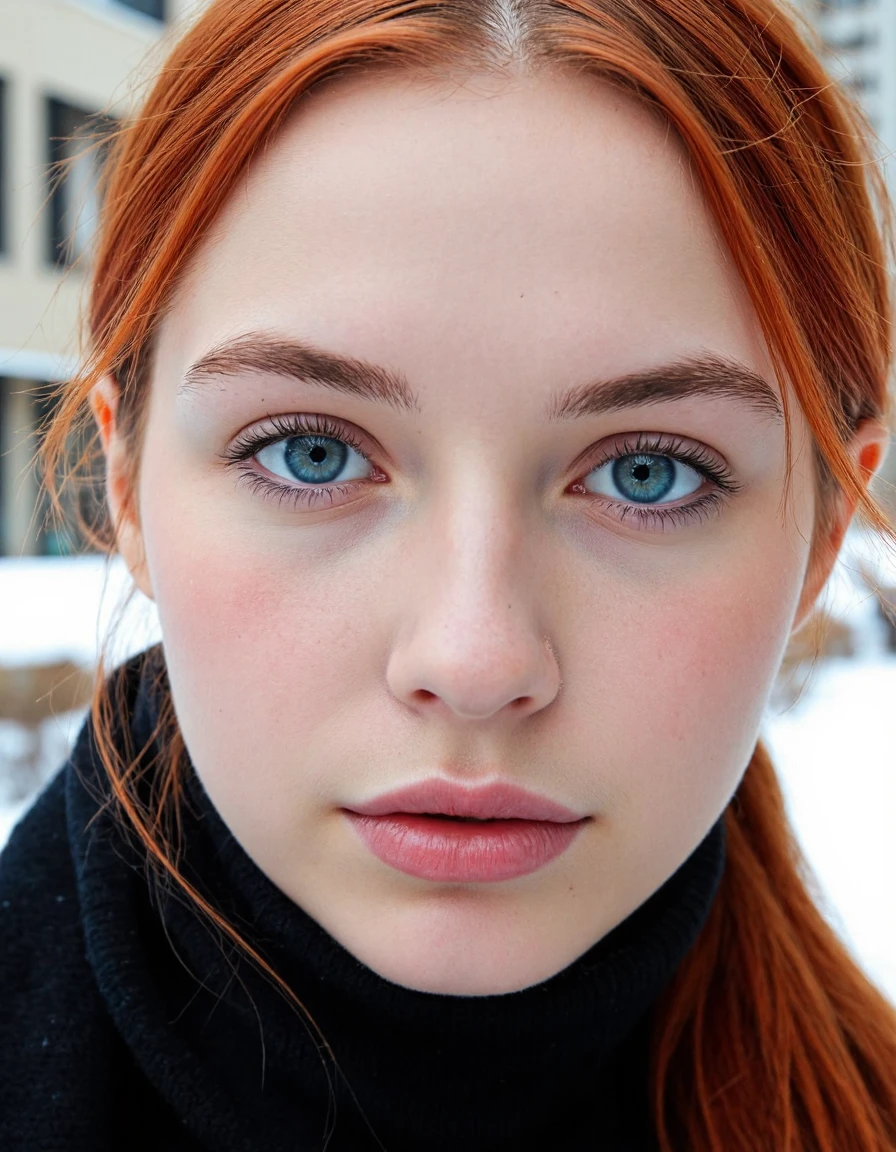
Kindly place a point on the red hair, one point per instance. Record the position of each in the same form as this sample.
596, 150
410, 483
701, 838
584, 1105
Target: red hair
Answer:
769, 1035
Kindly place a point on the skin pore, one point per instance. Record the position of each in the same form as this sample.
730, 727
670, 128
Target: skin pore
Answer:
480, 601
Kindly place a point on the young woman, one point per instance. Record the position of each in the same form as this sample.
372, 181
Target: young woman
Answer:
485, 389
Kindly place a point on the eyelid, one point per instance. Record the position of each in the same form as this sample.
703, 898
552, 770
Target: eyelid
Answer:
250, 440
693, 454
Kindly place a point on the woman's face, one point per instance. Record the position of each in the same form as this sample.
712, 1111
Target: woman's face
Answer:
533, 542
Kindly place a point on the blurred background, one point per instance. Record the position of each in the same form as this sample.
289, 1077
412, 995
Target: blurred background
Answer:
69, 69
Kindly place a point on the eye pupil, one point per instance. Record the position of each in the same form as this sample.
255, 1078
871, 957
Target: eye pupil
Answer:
643, 477
315, 459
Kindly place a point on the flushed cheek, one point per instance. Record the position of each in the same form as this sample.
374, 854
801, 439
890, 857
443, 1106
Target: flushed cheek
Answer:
256, 657
694, 670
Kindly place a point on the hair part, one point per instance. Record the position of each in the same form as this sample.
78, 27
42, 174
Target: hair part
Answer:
769, 1035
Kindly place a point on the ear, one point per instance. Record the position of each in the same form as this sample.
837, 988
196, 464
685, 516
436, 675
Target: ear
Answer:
868, 449
120, 494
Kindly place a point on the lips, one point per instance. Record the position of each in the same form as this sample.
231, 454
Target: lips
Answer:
497, 801
439, 831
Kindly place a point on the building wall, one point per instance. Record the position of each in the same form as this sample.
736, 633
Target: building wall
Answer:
90, 54
87, 53
860, 42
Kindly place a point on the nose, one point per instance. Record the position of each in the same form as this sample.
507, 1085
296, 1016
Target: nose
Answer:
472, 642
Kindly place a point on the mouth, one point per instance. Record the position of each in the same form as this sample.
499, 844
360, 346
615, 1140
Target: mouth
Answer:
441, 832
441, 798
458, 819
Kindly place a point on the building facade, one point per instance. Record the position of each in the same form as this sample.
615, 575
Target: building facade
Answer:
859, 38
67, 68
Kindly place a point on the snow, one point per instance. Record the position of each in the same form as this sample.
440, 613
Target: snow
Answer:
57, 608
836, 758
834, 748
53, 609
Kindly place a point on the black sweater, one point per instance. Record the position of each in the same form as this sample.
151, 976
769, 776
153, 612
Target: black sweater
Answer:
127, 1025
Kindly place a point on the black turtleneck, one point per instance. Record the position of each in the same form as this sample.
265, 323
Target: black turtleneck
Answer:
128, 1023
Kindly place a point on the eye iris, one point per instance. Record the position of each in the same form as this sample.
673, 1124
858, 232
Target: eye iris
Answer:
644, 478
315, 459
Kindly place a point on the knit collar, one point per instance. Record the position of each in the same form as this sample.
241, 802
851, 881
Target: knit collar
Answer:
415, 1070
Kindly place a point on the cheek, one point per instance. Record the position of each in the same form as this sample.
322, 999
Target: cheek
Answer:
243, 635
694, 666
258, 644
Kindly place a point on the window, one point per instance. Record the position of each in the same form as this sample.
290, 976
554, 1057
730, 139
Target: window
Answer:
154, 8
4, 468
83, 501
75, 163
3, 147
864, 83
855, 42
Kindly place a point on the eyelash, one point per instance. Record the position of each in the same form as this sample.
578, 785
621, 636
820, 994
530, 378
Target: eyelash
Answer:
658, 517
250, 443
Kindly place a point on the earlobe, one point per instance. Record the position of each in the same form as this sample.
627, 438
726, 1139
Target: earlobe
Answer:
872, 455
120, 494
129, 539
868, 449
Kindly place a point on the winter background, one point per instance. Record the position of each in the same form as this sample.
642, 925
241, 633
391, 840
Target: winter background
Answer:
831, 726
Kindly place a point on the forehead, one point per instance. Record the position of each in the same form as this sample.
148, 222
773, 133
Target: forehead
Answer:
550, 216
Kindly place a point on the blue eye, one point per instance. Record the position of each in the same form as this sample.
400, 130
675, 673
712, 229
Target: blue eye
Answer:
644, 478
313, 459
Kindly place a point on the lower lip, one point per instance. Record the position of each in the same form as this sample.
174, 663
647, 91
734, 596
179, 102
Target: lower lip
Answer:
454, 852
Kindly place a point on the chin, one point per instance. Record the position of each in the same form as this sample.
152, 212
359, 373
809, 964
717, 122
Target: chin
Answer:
469, 968
476, 982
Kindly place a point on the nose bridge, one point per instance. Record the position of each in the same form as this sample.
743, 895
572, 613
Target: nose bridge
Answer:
475, 548
475, 635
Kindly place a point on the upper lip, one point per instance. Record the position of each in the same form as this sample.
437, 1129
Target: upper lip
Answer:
439, 797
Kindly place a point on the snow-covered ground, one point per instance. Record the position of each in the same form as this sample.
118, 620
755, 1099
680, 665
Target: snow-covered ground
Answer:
835, 748
56, 608
836, 757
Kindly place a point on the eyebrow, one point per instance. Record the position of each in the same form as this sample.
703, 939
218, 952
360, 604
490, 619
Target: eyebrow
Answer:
704, 374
